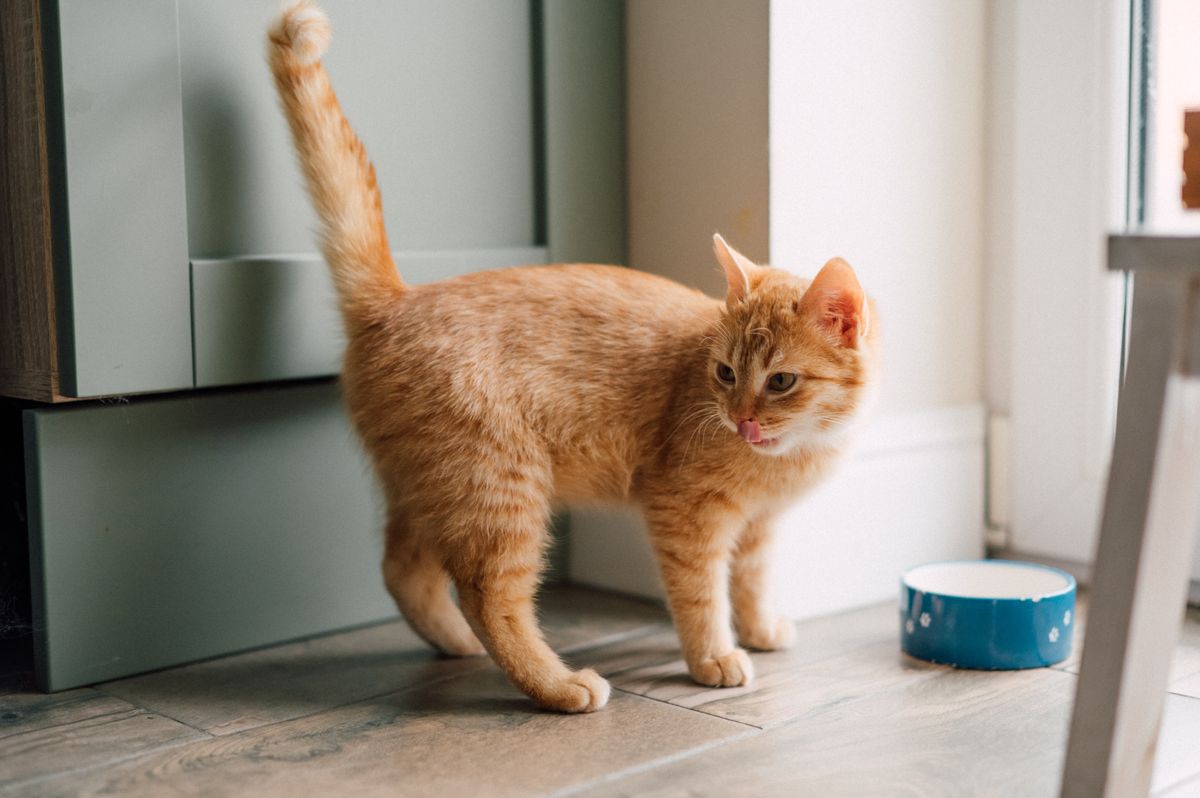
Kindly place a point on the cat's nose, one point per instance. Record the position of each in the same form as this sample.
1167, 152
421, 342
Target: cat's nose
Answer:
750, 430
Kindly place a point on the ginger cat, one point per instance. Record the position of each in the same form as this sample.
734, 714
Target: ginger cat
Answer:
484, 400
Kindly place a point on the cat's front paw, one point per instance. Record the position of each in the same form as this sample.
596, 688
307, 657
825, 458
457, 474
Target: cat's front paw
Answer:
732, 669
776, 635
581, 691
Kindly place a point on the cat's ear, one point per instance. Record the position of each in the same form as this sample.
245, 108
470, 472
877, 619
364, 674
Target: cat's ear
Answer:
738, 269
836, 301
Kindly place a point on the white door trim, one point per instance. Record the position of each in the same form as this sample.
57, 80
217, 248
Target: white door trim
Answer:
1059, 118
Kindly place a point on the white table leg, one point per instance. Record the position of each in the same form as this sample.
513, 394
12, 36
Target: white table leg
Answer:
1151, 515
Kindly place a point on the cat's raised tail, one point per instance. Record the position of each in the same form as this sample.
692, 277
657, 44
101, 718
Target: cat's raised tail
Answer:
340, 178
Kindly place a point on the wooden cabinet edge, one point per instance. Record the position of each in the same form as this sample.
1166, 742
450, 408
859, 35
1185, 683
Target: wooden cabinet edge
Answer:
28, 340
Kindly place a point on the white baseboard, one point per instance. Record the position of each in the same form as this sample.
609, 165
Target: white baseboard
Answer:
911, 492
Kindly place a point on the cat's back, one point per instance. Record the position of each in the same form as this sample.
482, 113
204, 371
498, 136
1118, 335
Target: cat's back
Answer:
548, 313
595, 291
573, 360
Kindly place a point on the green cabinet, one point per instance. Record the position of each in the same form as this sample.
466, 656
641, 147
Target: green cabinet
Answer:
179, 528
492, 124
172, 527
121, 236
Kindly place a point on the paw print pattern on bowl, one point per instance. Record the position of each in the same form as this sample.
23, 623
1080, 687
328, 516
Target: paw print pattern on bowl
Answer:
987, 614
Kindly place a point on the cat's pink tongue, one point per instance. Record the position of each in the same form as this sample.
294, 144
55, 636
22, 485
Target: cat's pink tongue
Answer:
751, 431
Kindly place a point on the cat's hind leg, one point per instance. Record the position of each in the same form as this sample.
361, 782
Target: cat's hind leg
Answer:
420, 587
501, 609
497, 562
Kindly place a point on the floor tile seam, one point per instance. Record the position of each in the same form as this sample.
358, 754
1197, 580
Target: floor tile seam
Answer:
641, 631
108, 763
749, 729
331, 708
618, 637
666, 625
679, 657
209, 736
483, 664
802, 666
612, 674
653, 764
784, 723
363, 700
735, 721
159, 712
134, 708
843, 651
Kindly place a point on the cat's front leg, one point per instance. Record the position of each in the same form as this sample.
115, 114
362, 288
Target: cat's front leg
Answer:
758, 627
693, 558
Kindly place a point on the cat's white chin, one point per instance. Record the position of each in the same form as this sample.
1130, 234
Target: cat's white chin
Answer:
771, 446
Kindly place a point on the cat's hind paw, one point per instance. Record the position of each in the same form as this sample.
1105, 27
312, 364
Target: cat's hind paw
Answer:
581, 691
777, 635
732, 669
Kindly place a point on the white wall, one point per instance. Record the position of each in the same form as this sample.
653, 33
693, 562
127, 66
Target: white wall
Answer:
877, 131
877, 155
1057, 184
813, 129
1060, 175
696, 99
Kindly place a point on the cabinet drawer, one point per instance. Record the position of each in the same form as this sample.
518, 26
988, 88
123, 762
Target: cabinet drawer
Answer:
262, 319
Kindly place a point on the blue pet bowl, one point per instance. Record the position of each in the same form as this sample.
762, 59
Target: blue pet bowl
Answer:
987, 614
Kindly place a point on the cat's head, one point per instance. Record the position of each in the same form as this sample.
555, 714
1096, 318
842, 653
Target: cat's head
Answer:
790, 361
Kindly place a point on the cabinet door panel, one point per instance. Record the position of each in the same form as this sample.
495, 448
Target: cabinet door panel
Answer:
175, 528
441, 94
125, 323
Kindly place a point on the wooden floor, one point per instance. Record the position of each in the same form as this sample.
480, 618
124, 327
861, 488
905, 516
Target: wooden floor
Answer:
374, 712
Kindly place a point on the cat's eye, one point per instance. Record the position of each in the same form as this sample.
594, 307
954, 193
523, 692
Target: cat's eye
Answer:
725, 374
781, 381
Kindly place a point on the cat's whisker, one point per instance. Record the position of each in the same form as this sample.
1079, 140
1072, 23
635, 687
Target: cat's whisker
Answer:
705, 411
717, 427
695, 432
701, 433
701, 409
702, 417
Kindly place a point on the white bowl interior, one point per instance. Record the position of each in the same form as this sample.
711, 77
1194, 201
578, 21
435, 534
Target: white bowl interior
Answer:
986, 579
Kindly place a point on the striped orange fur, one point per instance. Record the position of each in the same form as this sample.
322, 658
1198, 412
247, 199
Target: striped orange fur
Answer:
486, 400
